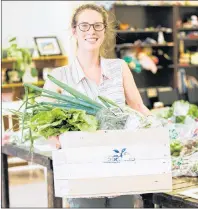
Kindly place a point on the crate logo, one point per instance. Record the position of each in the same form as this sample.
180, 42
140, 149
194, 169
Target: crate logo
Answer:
119, 156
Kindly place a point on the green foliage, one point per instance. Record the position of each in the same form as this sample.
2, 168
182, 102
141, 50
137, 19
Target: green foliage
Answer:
58, 121
181, 105
180, 119
176, 148
193, 111
23, 58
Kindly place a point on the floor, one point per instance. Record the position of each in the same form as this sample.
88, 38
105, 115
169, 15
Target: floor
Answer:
27, 187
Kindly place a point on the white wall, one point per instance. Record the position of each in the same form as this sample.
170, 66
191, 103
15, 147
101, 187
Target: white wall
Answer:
27, 19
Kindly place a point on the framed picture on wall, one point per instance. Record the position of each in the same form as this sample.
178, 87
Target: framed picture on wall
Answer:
48, 46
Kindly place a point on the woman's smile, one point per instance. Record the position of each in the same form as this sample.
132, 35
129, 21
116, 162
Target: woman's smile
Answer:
91, 40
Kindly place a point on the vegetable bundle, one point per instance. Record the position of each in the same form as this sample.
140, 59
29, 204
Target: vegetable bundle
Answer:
76, 112
181, 110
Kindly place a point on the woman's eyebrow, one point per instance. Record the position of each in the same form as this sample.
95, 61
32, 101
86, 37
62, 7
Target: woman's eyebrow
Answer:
89, 23
83, 22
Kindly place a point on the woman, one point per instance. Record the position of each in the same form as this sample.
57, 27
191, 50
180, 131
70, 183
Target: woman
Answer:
93, 75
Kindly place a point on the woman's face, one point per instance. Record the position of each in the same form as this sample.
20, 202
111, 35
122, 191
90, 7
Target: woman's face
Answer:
87, 37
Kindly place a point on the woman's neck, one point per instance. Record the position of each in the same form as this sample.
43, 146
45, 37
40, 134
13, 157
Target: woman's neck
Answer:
88, 61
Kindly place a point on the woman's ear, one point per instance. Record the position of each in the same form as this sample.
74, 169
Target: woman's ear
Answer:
73, 31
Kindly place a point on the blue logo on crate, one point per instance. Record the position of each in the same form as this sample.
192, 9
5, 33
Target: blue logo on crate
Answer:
119, 156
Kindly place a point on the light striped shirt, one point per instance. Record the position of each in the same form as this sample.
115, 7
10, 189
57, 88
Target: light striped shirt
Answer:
111, 83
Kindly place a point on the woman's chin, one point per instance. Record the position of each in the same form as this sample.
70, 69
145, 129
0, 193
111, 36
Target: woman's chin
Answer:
92, 48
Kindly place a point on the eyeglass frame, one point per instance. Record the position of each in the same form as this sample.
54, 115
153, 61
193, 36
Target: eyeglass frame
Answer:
90, 26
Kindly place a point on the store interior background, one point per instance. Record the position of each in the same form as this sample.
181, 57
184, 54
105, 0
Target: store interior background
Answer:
28, 19
25, 20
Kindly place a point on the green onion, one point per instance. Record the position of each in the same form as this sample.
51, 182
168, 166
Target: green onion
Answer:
73, 91
108, 101
91, 111
66, 98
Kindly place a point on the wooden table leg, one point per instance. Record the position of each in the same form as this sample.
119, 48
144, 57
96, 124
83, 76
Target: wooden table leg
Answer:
148, 200
5, 181
53, 202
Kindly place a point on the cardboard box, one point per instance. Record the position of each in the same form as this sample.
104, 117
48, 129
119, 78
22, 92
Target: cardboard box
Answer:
108, 163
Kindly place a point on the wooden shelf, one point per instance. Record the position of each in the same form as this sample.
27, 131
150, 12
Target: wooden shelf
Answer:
187, 66
188, 39
17, 89
144, 31
141, 5
187, 29
144, 45
40, 62
156, 5
15, 85
8, 60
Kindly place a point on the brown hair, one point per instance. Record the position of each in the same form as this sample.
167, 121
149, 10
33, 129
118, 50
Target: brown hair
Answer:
109, 40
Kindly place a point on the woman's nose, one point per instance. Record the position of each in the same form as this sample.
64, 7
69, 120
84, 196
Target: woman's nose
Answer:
91, 30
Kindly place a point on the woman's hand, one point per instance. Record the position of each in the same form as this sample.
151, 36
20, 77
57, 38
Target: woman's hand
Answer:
55, 140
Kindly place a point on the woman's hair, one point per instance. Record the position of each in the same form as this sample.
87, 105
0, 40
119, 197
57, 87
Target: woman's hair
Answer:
109, 40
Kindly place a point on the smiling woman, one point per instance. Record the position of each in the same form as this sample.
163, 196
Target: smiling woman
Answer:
94, 75
103, 28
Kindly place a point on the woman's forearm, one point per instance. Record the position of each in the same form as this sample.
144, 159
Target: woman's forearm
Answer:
140, 107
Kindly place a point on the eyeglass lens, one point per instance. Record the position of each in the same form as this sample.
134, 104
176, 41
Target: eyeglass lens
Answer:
87, 26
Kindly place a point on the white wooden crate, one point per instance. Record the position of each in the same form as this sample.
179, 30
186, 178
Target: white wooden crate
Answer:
87, 165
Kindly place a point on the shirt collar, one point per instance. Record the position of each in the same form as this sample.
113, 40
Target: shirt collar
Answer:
78, 73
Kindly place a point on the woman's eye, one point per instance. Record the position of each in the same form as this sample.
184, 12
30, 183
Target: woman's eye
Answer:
98, 25
84, 25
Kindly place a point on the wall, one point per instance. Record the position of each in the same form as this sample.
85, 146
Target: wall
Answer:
28, 19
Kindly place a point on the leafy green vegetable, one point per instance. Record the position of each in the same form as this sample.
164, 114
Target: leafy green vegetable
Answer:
179, 110
180, 119
193, 111
168, 113
58, 121
176, 148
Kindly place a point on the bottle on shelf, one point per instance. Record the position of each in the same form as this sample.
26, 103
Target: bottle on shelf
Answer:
161, 39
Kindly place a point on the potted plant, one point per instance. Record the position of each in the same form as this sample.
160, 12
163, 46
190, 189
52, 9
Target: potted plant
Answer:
23, 65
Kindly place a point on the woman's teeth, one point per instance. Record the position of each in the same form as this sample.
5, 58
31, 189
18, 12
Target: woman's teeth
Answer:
91, 40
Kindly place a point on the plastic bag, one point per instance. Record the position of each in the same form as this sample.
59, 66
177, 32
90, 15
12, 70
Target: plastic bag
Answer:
116, 118
186, 163
111, 119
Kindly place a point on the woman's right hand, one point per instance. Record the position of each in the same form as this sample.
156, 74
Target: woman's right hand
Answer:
55, 140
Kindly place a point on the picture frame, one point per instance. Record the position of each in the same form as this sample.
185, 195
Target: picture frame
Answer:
48, 45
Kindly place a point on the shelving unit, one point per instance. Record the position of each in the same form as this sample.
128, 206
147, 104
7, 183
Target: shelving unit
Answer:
188, 39
170, 44
15, 85
141, 18
145, 16
187, 29
17, 89
40, 62
185, 44
143, 31
187, 66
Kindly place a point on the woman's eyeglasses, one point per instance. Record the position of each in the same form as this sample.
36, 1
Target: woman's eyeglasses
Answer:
99, 26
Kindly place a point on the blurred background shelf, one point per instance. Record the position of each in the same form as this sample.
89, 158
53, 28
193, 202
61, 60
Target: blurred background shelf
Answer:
189, 39
15, 85
187, 66
128, 45
144, 31
140, 23
188, 29
40, 62
15, 91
